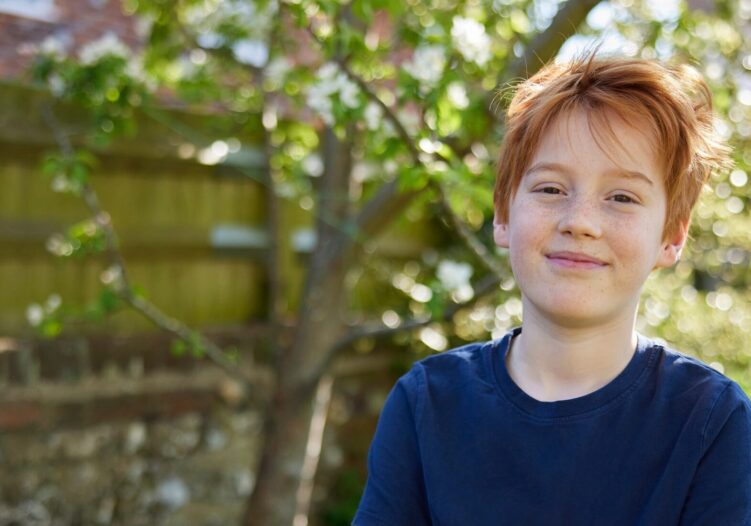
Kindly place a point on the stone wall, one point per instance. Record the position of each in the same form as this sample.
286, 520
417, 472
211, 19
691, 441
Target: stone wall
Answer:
170, 447
192, 469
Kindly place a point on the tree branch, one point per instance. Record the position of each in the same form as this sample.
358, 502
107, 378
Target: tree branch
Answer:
123, 286
484, 286
469, 239
273, 260
408, 141
546, 45
388, 201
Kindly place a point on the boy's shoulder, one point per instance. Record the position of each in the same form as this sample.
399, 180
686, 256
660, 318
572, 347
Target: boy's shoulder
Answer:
469, 352
682, 372
458, 360
469, 363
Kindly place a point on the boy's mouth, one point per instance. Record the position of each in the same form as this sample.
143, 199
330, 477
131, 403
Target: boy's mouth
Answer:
575, 260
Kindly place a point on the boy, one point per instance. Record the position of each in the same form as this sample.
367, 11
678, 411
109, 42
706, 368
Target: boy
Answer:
574, 418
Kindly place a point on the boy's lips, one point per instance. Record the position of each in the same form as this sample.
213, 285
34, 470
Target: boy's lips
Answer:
575, 260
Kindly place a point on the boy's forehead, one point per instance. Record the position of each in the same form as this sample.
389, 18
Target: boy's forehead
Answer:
628, 144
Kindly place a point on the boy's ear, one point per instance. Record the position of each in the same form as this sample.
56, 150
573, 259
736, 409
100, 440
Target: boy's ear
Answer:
671, 249
500, 233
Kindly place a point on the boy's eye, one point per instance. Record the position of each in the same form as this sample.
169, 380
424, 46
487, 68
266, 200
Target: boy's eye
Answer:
623, 198
550, 190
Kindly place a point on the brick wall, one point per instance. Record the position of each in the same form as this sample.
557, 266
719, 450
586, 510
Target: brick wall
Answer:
75, 22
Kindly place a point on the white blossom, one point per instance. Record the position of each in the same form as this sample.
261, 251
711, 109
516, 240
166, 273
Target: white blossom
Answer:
60, 184
427, 64
107, 44
454, 275
212, 12
458, 95
59, 246
328, 70
135, 70
34, 314
373, 114
210, 40
143, 24
330, 82
251, 51
112, 276
348, 91
209, 16
312, 165
56, 84
471, 40
54, 46
213, 154
277, 69
52, 303
319, 101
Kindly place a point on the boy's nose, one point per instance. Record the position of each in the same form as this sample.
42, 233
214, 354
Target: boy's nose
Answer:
580, 218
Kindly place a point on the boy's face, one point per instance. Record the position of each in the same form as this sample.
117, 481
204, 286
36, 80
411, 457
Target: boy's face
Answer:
585, 226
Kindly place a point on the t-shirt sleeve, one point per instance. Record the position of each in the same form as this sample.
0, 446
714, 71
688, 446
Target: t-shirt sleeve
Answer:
721, 490
394, 493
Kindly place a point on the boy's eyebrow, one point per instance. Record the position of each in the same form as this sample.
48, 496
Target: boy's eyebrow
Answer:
561, 168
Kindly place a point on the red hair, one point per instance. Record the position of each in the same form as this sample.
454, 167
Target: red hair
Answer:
674, 101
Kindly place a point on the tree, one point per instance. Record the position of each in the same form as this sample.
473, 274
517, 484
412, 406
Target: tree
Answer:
408, 89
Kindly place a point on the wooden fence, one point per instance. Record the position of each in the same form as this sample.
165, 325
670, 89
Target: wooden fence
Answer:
192, 234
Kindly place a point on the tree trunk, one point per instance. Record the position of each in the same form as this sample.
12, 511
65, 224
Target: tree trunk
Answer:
288, 416
321, 324
273, 501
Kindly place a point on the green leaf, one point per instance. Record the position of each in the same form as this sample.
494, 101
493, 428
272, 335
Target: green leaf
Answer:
363, 10
50, 328
51, 165
108, 301
412, 178
232, 354
178, 348
520, 22
79, 175
196, 345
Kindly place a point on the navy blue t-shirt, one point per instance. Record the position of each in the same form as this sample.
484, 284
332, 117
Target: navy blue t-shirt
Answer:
458, 443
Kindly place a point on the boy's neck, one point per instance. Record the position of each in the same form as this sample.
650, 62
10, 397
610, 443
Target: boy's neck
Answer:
551, 362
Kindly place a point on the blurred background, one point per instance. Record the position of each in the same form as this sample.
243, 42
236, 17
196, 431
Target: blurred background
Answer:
228, 227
